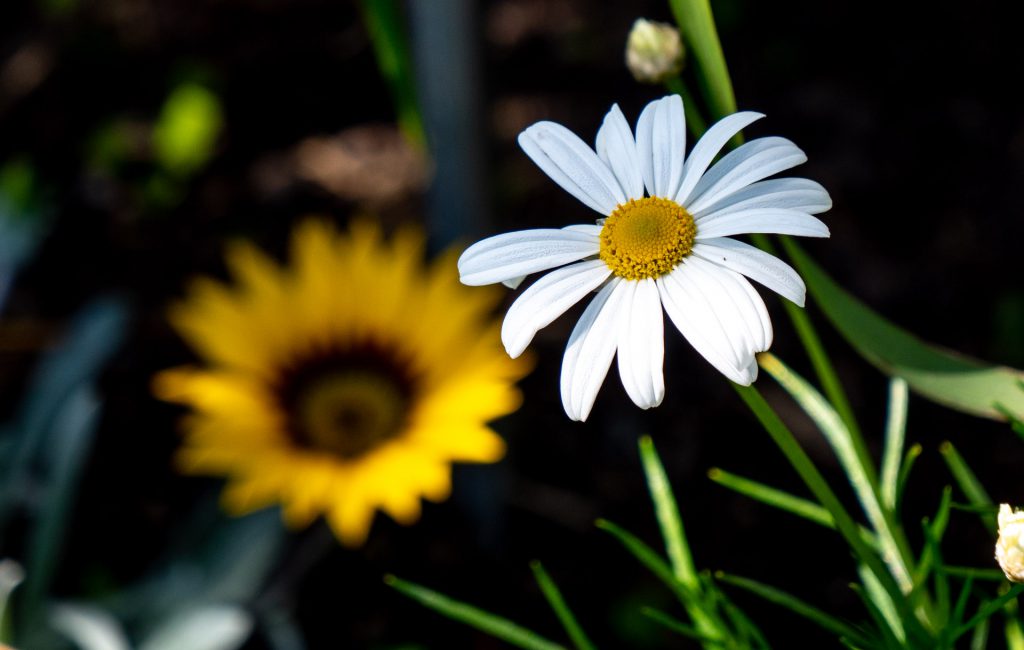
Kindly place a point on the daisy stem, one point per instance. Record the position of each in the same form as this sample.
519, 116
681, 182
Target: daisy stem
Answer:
819, 358
694, 120
803, 465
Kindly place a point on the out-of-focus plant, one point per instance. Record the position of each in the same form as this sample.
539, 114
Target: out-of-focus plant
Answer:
172, 148
711, 618
24, 219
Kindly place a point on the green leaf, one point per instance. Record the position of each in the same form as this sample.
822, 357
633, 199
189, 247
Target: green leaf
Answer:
697, 26
773, 497
970, 486
675, 625
646, 555
895, 434
668, 515
803, 465
794, 604
987, 610
562, 611
856, 464
951, 379
492, 624
383, 21
905, 467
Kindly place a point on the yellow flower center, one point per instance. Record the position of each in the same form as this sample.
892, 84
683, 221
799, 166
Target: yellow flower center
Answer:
646, 238
350, 412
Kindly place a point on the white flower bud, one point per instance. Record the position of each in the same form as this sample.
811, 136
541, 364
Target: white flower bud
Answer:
654, 51
1010, 546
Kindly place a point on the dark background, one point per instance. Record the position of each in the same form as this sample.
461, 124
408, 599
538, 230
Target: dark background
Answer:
910, 116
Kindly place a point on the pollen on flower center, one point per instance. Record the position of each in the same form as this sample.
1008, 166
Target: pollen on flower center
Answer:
646, 238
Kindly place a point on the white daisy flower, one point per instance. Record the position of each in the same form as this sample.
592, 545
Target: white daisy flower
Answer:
671, 248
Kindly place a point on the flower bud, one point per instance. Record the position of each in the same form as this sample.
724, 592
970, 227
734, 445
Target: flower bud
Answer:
1010, 546
654, 51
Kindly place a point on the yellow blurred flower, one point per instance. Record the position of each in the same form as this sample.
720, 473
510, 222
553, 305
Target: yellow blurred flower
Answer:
1010, 546
345, 383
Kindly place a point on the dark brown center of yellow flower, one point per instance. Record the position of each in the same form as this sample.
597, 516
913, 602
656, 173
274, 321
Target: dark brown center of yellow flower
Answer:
346, 402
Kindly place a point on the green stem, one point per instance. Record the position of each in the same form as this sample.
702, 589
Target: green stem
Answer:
803, 465
383, 21
819, 358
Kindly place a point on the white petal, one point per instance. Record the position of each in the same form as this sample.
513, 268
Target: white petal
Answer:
749, 163
588, 228
755, 264
513, 283
616, 147
515, 254
789, 193
730, 287
547, 299
588, 355
573, 165
768, 220
708, 147
695, 316
642, 345
661, 145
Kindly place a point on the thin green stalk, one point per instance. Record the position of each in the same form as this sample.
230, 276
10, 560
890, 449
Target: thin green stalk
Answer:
859, 470
803, 465
794, 604
970, 485
697, 26
773, 497
383, 21
895, 435
475, 617
705, 620
667, 512
987, 610
562, 611
675, 625
820, 360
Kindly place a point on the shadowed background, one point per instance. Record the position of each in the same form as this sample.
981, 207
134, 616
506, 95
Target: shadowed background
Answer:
914, 130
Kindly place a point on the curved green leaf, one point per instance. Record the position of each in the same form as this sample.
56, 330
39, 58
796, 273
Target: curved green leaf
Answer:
949, 378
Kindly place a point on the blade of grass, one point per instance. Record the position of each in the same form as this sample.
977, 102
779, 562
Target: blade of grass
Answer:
383, 21
908, 464
675, 625
974, 573
970, 485
562, 611
798, 458
811, 342
979, 639
855, 462
933, 531
960, 608
1014, 635
706, 620
797, 606
895, 434
697, 25
479, 619
668, 515
888, 638
741, 622
783, 501
987, 610
883, 602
